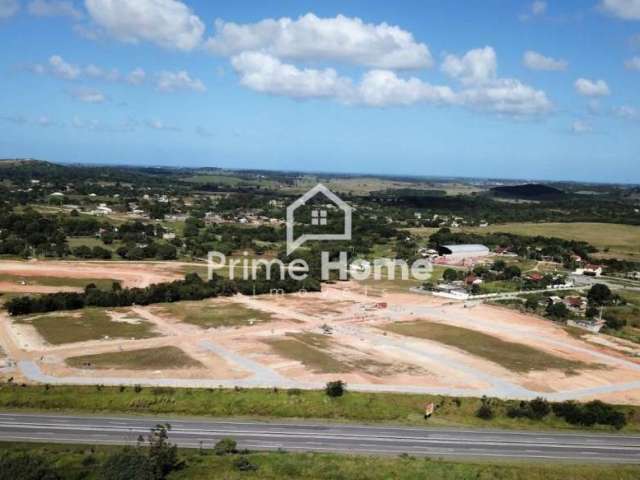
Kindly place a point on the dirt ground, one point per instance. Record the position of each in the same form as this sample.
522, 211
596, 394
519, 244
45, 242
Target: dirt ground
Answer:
335, 334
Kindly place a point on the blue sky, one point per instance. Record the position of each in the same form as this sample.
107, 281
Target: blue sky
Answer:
546, 90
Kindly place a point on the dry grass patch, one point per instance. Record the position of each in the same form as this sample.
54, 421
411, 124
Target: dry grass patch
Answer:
314, 351
307, 348
162, 358
214, 315
510, 355
88, 324
44, 281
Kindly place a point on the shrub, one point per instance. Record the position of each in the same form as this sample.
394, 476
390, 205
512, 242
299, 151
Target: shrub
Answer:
127, 464
336, 388
485, 411
590, 413
23, 466
243, 464
225, 446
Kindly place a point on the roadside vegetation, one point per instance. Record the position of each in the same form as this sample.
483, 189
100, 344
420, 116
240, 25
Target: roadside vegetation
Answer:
148, 461
396, 408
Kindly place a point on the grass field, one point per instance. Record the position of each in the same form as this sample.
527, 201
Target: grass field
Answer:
89, 242
513, 356
86, 324
310, 350
163, 358
394, 408
79, 461
214, 315
103, 283
620, 240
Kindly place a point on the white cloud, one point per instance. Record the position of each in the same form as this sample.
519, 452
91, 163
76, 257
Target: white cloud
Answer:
474, 67
136, 77
536, 61
627, 112
8, 8
380, 88
44, 121
591, 88
384, 88
173, 81
54, 8
625, 9
93, 71
633, 63
88, 95
580, 126
168, 23
507, 96
265, 73
100, 126
310, 38
59, 67
538, 7
62, 69
156, 124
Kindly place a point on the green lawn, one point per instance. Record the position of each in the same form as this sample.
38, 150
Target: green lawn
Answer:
86, 324
72, 462
214, 314
499, 286
513, 356
162, 358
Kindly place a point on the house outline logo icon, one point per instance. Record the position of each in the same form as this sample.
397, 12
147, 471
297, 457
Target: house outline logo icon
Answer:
318, 217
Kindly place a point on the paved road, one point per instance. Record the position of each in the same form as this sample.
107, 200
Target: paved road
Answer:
433, 442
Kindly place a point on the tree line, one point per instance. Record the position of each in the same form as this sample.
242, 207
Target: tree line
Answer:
191, 288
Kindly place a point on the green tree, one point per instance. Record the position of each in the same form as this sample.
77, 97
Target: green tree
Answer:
336, 388
600, 294
557, 310
25, 466
450, 275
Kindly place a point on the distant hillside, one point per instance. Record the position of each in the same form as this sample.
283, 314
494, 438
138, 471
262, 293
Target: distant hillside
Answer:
529, 191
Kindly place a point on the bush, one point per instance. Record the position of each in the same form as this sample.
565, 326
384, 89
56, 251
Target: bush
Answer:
127, 464
23, 466
336, 388
590, 413
536, 409
243, 464
226, 446
485, 411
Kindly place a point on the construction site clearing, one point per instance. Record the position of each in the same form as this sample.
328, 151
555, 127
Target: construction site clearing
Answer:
393, 341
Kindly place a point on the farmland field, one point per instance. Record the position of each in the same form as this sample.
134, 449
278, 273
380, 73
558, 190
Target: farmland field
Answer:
620, 240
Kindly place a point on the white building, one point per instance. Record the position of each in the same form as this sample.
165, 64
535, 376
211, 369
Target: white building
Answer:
462, 252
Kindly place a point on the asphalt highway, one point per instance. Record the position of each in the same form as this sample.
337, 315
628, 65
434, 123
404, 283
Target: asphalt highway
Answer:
341, 438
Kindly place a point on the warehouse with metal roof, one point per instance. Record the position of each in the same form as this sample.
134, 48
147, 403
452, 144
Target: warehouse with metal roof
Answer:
464, 251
